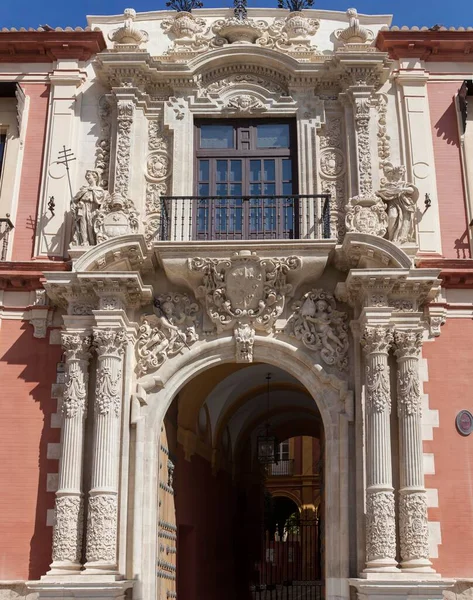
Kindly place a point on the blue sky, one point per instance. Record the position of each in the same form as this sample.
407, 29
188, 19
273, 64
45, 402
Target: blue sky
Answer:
59, 13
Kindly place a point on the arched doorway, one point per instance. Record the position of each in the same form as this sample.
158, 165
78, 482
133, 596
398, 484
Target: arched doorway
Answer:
233, 537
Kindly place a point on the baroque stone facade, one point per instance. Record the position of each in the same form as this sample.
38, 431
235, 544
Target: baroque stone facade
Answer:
198, 315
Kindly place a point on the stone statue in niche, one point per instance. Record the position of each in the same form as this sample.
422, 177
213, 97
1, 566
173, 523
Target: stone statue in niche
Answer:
321, 327
83, 207
400, 197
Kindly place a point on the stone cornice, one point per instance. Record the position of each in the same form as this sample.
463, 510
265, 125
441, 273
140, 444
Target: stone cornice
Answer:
106, 291
402, 290
49, 46
454, 273
441, 45
152, 74
26, 276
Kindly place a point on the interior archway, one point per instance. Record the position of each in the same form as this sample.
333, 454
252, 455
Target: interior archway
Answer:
239, 533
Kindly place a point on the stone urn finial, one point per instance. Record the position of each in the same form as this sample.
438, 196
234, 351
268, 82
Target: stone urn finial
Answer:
128, 34
354, 33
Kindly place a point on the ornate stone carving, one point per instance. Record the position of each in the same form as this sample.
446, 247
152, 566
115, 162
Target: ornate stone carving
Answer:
408, 344
377, 340
366, 215
102, 528
189, 33
354, 33
408, 392
245, 339
434, 324
84, 207
380, 526
332, 167
243, 80
332, 162
110, 345
235, 30
67, 537
158, 179
158, 166
414, 527
116, 216
125, 111
108, 393
320, 327
128, 37
77, 376
400, 197
109, 342
384, 145
102, 152
166, 334
378, 396
244, 288
291, 35
244, 103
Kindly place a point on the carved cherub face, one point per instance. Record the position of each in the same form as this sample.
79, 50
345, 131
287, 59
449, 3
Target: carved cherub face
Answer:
322, 306
168, 308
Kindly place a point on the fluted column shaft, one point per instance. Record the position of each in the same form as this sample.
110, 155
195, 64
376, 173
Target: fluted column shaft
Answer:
67, 538
380, 515
413, 522
102, 519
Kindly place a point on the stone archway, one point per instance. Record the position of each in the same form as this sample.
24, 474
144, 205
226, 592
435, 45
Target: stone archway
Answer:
332, 399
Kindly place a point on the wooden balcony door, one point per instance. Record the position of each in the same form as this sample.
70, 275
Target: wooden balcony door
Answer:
245, 180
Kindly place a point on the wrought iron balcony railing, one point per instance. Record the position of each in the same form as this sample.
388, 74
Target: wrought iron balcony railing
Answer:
244, 217
5, 227
282, 467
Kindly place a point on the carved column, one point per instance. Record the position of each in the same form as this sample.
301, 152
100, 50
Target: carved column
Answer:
380, 517
102, 521
67, 538
413, 523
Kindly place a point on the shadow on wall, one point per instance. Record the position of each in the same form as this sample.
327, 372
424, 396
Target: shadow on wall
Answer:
446, 127
28, 368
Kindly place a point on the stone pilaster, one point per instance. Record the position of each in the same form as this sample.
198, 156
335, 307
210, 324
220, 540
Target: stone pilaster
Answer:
121, 172
380, 513
102, 521
67, 539
413, 523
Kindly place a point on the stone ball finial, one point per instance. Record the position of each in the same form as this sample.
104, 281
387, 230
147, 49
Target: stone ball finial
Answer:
354, 33
129, 13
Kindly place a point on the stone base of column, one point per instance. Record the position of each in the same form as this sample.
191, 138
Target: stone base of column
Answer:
64, 567
382, 565
417, 565
401, 587
82, 587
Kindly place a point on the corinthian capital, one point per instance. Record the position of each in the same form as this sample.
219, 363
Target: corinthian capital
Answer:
110, 341
76, 345
376, 339
408, 344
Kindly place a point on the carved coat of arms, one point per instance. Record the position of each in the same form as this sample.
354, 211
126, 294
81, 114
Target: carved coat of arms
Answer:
244, 288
